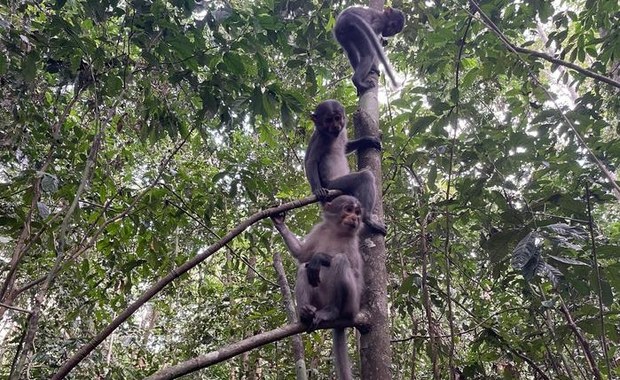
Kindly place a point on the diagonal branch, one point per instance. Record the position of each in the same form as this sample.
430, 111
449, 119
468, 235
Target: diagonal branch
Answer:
547, 57
609, 175
175, 273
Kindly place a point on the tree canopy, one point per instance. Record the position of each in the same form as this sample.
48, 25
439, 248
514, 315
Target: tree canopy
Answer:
135, 136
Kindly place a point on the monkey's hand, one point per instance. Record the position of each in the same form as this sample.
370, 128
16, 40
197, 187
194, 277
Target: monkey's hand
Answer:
313, 268
278, 219
374, 142
306, 314
321, 193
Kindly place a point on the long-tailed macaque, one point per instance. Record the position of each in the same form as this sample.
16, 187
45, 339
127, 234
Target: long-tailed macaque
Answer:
332, 247
326, 162
357, 30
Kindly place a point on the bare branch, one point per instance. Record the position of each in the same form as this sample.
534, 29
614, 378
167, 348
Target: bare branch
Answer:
234, 349
15, 308
581, 339
547, 57
297, 344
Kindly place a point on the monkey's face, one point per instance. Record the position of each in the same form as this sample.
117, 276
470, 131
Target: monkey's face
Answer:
396, 23
351, 216
332, 123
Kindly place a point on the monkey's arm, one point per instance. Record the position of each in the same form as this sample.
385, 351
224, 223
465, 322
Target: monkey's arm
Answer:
312, 172
292, 242
363, 142
313, 267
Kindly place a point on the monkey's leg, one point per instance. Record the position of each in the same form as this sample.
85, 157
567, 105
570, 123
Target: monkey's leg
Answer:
352, 53
367, 63
335, 289
361, 185
305, 297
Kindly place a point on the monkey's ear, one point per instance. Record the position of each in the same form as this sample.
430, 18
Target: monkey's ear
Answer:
327, 206
314, 118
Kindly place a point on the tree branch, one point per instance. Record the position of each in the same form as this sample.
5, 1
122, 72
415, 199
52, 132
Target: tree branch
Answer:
175, 273
581, 339
489, 24
234, 349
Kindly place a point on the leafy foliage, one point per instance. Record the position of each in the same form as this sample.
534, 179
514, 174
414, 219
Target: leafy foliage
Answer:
135, 134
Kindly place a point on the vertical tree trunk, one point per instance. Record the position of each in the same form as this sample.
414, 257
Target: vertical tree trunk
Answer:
297, 344
375, 350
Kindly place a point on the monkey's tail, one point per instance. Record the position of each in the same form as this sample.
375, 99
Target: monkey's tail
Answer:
341, 357
366, 29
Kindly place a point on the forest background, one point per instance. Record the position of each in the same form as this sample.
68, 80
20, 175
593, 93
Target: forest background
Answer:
134, 135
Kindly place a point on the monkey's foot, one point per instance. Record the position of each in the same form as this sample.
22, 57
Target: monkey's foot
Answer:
321, 194
325, 314
363, 86
375, 225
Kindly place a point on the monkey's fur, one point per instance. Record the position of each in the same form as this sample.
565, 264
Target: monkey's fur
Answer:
337, 293
357, 30
326, 162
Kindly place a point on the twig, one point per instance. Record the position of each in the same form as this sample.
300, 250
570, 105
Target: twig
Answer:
580, 338
291, 316
538, 54
477, 326
15, 308
210, 230
580, 139
598, 279
426, 299
175, 273
27, 343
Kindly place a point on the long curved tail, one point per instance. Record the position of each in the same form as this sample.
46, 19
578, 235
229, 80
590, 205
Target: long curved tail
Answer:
341, 357
365, 28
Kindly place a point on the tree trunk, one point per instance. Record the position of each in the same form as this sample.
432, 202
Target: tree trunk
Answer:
375, 350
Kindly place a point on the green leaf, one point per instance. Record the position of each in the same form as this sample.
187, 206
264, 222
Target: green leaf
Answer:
29, 67
421, 124
234, 63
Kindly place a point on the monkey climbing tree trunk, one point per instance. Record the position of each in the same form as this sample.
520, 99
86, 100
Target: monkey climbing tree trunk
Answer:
375, 350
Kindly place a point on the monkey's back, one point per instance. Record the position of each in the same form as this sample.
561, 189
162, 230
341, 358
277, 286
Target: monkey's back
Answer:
348, 19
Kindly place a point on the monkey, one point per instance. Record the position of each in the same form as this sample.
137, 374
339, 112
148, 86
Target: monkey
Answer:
326, 162
357, 30
336, 293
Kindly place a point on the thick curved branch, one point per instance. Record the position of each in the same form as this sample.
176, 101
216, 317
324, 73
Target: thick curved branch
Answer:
234, 349
177, 272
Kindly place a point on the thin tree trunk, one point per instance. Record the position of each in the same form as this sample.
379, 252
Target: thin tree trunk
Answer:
291, 317
375, 350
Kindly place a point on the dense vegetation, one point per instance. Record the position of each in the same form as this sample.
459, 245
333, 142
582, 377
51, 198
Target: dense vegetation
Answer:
135, 134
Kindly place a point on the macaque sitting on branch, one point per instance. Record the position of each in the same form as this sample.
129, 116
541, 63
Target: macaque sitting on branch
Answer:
327, 166
330, 273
